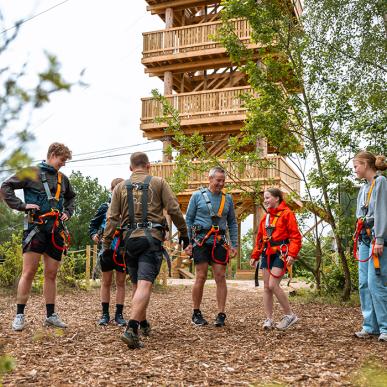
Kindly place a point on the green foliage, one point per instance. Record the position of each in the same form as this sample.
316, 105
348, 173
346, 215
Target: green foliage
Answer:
90, 195
10, 222
247, 245
71, 271
11, 268
371, 374
18, 101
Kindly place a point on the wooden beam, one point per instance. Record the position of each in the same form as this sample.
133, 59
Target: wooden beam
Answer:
160, 7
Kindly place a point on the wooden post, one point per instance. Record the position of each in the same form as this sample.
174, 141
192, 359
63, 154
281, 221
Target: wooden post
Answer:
87, 274
239, 246
95, 256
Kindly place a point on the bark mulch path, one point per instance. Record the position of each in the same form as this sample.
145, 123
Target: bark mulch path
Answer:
319, 350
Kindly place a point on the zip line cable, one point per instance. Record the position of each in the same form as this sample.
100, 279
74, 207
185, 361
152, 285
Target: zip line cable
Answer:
32, 17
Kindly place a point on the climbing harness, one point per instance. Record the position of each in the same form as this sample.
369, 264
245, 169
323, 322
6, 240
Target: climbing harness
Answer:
271, 247
363, 232
219, 235
54, 214
145, 224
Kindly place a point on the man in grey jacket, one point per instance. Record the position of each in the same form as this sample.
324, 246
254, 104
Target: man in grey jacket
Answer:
210, 212
48, 203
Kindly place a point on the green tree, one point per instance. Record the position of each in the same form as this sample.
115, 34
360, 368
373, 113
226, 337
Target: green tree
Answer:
320, 83
10, 222
17, 102
90, 195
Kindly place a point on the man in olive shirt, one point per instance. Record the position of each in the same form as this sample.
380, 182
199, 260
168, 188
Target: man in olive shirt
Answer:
144, 224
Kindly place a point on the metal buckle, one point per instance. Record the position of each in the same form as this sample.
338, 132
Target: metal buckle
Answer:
215, 228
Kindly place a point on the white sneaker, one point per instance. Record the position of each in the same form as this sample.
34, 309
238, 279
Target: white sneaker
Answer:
54, 321
19, 322
287, 321
268, 324
363, 334
383, 337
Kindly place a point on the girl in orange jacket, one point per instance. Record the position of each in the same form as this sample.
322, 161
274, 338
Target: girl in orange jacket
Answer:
278, 243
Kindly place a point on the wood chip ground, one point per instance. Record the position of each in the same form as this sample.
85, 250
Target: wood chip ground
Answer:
319, 351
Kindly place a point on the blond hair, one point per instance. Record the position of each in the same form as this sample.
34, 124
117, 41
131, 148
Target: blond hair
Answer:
377, 163
57, 149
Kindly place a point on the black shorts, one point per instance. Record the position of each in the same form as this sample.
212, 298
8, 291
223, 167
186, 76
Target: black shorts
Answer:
144, 261
204, 254
110, 264
42, 243
275, 261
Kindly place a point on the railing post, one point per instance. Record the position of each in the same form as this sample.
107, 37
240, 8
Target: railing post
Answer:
87, 274
95, 256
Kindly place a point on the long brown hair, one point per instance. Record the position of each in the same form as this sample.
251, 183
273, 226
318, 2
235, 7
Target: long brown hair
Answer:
377, 163
276, 192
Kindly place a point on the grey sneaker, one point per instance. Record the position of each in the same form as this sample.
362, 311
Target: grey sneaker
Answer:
383, 337
131, 339
146, 330
363, 334
54, 321
19, 322
268, 324
287, 321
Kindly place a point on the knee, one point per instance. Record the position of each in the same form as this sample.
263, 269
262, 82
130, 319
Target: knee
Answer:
28, 275
50, 275
200, 278
107, 282
120, 282
220, 278
271, 287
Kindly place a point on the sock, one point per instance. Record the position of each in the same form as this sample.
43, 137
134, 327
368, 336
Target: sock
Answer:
134, 325
20, 308
144, 323
222, 314
196, 311
105, 307
50, 309
119, 308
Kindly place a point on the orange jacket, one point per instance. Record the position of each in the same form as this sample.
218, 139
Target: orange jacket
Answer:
285, 228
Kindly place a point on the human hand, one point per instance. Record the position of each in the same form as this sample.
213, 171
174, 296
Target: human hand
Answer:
188, 249
233, 252
185, 241
95, 238
32, 207
253, 262
378, 249
64, 217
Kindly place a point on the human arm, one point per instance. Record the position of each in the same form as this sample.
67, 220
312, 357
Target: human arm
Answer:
96, 222
380, 215
295, 237
113, 218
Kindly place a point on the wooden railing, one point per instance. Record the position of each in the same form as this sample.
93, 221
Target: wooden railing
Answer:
277, 172
201, 104
196, 37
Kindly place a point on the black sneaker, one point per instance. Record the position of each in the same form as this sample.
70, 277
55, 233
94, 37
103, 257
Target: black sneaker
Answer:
131, 339
197, 319
220, 320
119, 320
146, 330
105, 319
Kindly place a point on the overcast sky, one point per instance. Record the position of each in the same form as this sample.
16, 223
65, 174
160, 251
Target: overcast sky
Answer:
105, 39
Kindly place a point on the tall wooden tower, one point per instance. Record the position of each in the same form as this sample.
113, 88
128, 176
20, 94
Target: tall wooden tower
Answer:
206, 88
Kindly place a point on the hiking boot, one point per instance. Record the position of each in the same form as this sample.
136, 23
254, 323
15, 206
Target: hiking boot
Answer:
131, 339
146, 329
19, 322
383, 337
363, 334
119, 320
105, 319
268, 324
197, 319
54, 321
220, 320
287, 321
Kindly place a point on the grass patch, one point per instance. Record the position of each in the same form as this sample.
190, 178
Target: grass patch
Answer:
371, 374
306, 296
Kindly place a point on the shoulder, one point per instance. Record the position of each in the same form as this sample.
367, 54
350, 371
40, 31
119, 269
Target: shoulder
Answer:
381, 180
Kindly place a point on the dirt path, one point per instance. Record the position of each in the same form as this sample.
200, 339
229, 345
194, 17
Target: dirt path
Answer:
320, 350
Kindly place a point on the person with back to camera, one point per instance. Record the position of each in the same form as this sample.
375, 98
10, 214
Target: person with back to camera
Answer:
278, 243
370, 244
96, 228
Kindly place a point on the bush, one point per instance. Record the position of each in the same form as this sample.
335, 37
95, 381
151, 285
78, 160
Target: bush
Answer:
70, 273
11, 268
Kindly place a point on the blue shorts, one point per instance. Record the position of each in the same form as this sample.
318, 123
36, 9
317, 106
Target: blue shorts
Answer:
275, 261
